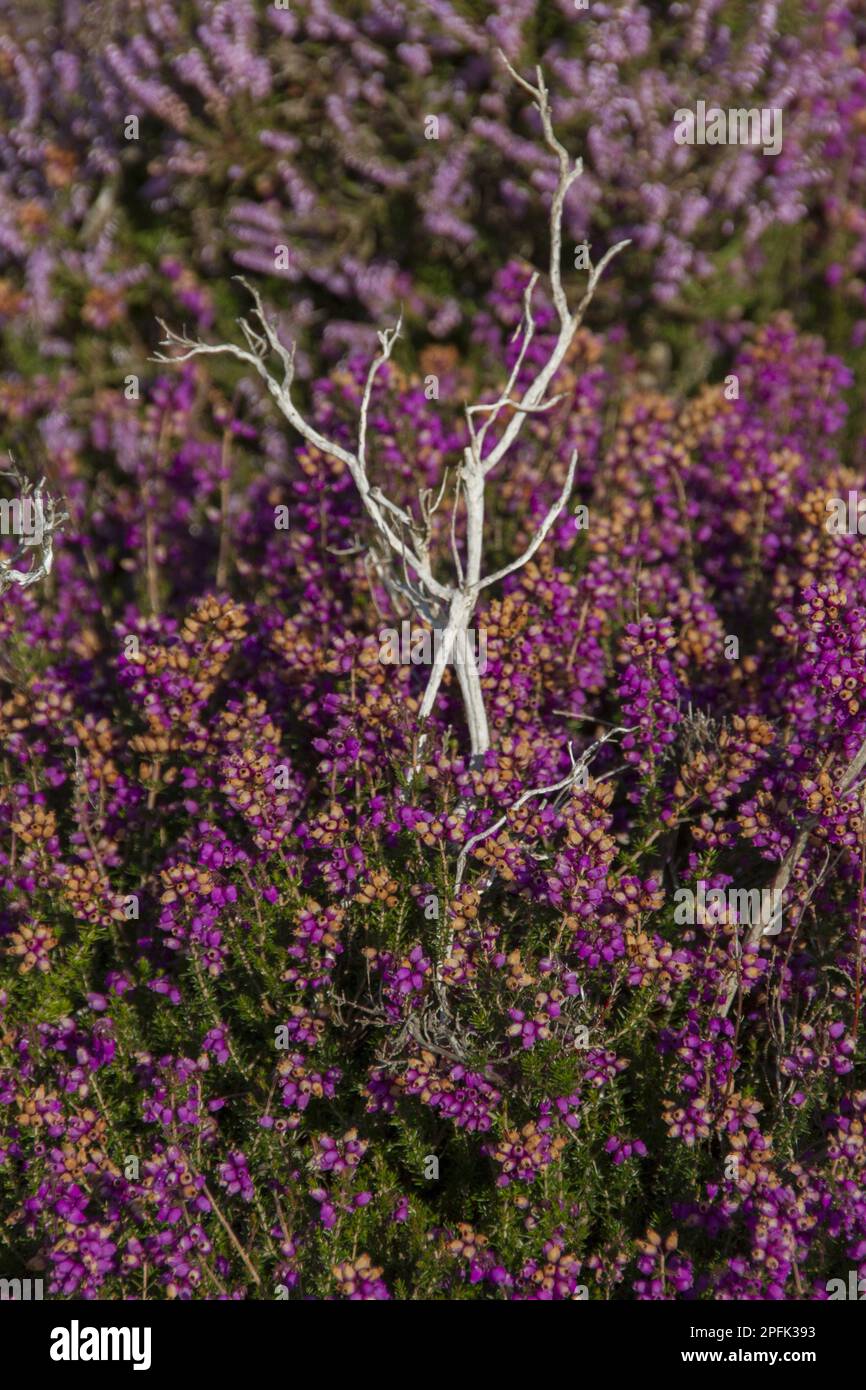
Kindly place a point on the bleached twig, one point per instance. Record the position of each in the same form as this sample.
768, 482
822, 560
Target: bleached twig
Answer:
403, 556
564, 784
36, 540
541, 534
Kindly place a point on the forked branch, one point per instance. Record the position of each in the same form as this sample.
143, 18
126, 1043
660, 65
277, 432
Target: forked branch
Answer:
402, 546
33, 517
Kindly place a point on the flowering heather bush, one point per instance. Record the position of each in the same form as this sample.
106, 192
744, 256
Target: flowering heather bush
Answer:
304, 994
383, 145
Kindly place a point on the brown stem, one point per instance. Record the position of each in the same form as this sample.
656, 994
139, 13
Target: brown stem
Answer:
789, 864
857, 991
225, 490
231, 1235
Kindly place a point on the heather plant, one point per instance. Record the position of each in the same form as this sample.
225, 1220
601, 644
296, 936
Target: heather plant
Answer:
359, 155
308, 990
280, 1020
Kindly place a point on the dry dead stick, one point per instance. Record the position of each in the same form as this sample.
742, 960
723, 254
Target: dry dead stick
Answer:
231, 1235
403, 542
150, 520
223, 558
787, 867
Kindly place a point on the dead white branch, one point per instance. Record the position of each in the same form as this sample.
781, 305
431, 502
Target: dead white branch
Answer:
402, 557
578, 765
33, 517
